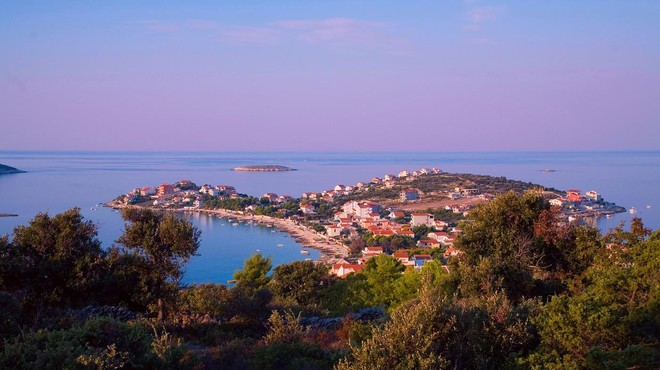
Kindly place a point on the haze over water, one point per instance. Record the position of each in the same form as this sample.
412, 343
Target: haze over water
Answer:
57, 181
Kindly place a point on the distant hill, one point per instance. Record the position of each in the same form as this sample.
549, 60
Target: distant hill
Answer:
7, 169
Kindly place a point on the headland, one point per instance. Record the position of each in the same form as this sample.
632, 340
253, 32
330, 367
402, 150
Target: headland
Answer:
390, 209
4, 169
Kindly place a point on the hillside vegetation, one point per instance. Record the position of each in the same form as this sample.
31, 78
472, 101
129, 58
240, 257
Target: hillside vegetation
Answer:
527, 293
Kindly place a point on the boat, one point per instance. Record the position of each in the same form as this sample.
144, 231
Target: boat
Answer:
304, 252
632, 210
280, 244
608, 216
648, 206
548, 170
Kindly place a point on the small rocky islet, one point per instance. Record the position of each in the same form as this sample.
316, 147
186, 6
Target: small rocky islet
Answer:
263, 168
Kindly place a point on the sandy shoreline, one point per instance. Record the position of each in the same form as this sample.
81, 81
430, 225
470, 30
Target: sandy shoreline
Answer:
305, 236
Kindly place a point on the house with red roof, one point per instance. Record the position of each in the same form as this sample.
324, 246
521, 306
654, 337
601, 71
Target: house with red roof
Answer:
396, 214
165, 189
428, 243
333, 231
573, 195
375, 249
403, 258
343, 269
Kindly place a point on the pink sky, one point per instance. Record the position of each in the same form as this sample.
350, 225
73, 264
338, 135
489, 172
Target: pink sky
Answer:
351, 75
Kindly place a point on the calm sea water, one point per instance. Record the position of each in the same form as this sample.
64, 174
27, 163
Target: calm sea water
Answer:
57, 181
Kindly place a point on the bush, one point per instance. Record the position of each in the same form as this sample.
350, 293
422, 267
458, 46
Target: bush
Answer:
101, 343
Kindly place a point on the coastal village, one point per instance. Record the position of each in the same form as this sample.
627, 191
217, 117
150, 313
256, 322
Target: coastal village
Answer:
412, 216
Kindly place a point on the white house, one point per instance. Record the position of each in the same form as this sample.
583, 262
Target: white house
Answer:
340, 188
556, 202
422, 219
333, 231
593, 195
307, 208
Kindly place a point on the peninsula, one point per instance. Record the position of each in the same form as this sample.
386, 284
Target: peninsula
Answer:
4, 169
409, 211
263, 168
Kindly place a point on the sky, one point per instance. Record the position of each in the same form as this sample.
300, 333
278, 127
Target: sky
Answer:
353, 75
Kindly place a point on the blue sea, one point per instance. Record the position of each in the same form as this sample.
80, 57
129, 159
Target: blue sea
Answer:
56, 181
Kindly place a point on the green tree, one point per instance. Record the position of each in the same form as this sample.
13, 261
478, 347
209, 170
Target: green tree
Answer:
432, 332
300, 284
612, 319
346, 295
206, 299
382, 272
285, 328
54, 262
421, 231
409, 341
166, 242
254, 274
515, 244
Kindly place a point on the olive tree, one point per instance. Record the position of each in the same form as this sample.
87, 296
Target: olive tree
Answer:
166, 243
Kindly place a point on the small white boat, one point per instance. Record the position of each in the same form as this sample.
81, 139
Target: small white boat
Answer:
280, 245
648, 206
632, 210
304, 252
608, 216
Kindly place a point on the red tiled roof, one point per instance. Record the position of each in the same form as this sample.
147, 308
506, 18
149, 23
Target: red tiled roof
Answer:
423, 257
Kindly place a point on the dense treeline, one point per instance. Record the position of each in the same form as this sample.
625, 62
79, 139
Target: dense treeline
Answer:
529, 292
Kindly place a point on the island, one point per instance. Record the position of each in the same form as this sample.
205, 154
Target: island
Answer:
4, 170
263, 168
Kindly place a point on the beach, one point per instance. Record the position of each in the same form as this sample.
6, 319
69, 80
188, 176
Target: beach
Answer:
330, 249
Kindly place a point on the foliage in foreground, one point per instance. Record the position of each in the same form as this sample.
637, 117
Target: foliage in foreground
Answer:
529, 293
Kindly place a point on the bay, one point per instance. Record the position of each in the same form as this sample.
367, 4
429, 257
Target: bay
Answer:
56, 181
